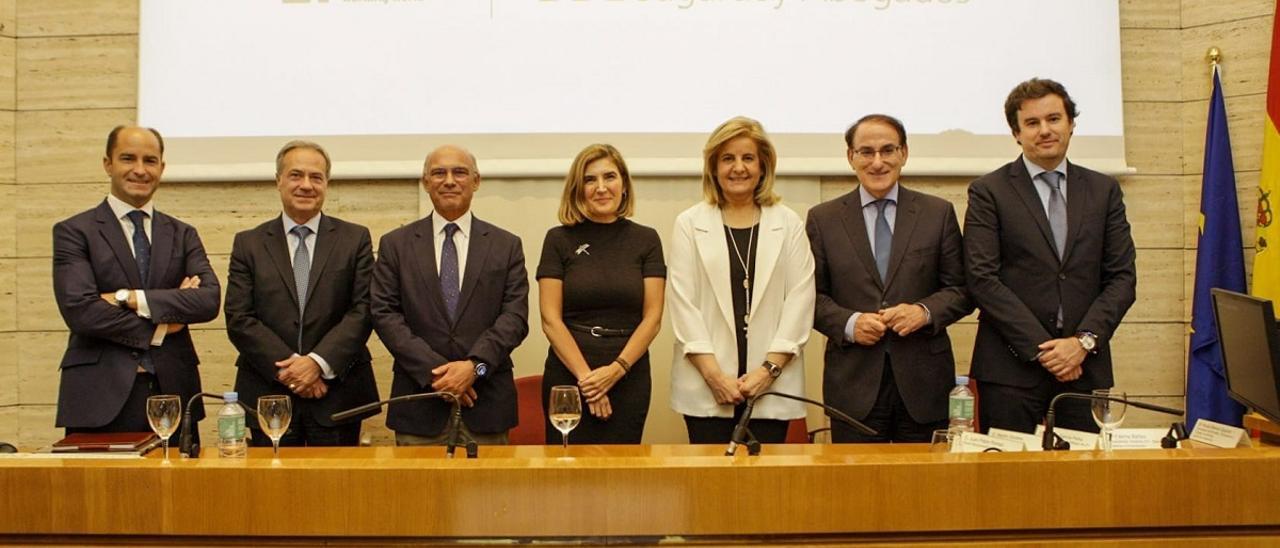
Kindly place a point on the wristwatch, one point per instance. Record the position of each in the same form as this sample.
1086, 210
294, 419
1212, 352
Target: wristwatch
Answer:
122, 297
1089, 341
774, 369
482, 369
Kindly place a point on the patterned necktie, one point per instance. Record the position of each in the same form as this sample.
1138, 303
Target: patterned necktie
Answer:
884, 240
449, 271
1057, 210
141, 246
301, 273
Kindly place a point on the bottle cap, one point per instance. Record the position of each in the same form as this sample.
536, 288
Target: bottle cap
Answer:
962, 380
231, 397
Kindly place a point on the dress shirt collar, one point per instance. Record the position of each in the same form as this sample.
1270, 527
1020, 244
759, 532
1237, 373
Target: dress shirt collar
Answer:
120, 209
463, 222
1034, 170
867, 198
313, 223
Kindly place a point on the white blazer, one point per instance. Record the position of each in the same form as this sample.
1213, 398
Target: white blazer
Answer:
701, 307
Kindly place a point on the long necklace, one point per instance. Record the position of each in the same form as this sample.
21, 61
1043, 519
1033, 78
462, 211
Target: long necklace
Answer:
746, 271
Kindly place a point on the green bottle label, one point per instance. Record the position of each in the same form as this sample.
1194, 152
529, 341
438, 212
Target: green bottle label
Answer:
231, 427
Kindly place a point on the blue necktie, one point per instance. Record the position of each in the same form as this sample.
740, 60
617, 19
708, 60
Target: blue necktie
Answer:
884, 240
141, 246
301, 274
449, 271
142, 254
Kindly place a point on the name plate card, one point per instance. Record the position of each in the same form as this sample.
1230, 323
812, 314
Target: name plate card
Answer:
1079, 440
1138, 438
973, 442
1030, 442
1220, 435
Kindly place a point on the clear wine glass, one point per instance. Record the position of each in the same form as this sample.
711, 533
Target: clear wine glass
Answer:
274, 414
1108, 414
565, 411
163, 413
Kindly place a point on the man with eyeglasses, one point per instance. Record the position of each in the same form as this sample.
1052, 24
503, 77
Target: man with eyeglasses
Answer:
890, 279
450, 302
1050, 263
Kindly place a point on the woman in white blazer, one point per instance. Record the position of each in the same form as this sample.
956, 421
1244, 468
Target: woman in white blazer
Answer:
741, 293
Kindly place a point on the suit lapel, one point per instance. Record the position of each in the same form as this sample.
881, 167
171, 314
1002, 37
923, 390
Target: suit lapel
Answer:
714, 254
326, 240
277, 245
424, 248
855, 227
767, 252
1021, 182
1077, 198
477, 254
109, 227
161, 247
904, 224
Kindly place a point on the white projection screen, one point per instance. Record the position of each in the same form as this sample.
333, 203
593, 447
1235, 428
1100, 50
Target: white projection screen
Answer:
527, 83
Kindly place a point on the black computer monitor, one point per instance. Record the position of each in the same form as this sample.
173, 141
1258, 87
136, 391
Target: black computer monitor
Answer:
1250, 350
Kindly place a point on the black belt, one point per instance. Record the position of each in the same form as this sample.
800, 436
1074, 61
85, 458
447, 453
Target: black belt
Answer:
597, 331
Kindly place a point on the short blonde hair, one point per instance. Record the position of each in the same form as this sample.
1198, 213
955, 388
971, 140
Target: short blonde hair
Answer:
739, 126
572, 205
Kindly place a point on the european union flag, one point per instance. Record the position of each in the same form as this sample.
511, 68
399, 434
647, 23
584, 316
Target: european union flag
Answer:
1219, 263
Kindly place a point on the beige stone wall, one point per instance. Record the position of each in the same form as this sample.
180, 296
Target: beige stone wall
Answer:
68, 73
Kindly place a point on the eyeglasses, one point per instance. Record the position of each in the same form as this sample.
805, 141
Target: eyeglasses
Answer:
439, 174
869, 154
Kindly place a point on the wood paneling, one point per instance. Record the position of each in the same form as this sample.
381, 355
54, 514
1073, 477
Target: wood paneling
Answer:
1152, 205
1149, 72
1246, 54
1159, 286
77, 72
8, 18
76, 17
1196, 13
8, 73
35, 426
8, 374
1153, 137
1148, 14
8, 220
65, 146
9, 427
8, 160
8, 297
38, 359
1147, 358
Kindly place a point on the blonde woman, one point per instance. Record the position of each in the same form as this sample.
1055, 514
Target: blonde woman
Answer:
741, 293
601, 281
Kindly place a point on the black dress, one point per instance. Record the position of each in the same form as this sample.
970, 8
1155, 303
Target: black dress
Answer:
603, 267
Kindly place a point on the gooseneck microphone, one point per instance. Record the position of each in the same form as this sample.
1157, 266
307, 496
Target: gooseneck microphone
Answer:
743, 436
1054, 442
186, 446
454, 433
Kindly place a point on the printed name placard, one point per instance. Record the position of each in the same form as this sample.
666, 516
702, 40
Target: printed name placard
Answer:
973, 442
1030, 442
1079, 440
1220, 435
1137, 438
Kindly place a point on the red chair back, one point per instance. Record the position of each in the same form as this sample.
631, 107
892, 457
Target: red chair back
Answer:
532, 429
798, 431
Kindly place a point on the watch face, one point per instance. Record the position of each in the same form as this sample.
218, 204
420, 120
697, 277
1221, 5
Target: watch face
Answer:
481, 369
1088, 342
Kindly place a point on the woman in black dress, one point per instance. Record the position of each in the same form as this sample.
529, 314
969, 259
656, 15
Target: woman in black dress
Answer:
601, 281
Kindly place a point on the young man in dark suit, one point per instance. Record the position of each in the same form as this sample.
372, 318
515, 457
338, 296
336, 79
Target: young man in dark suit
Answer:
890, 279
450, 301
298, 307
1050, 263
128, 280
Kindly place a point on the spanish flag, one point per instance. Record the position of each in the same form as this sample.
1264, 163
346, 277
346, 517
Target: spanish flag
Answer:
1266, 263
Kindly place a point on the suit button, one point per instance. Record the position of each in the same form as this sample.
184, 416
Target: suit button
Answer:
1062, 276
884, 304
133, 354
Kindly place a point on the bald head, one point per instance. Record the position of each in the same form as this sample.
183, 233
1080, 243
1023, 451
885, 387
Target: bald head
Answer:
450, 177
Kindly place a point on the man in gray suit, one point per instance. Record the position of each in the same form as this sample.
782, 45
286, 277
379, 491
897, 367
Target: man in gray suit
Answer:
450, 300
890, 279
1050, 262
298, 307
128, 279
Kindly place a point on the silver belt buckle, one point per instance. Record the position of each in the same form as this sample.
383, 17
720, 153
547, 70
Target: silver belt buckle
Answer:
596, 331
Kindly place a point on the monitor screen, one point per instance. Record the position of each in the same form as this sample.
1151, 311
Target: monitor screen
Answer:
1247, 333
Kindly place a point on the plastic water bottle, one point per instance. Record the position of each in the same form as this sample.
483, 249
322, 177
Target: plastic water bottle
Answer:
231, 432
961, 406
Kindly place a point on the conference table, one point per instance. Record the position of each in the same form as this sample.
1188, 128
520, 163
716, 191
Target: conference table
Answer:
645, 494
